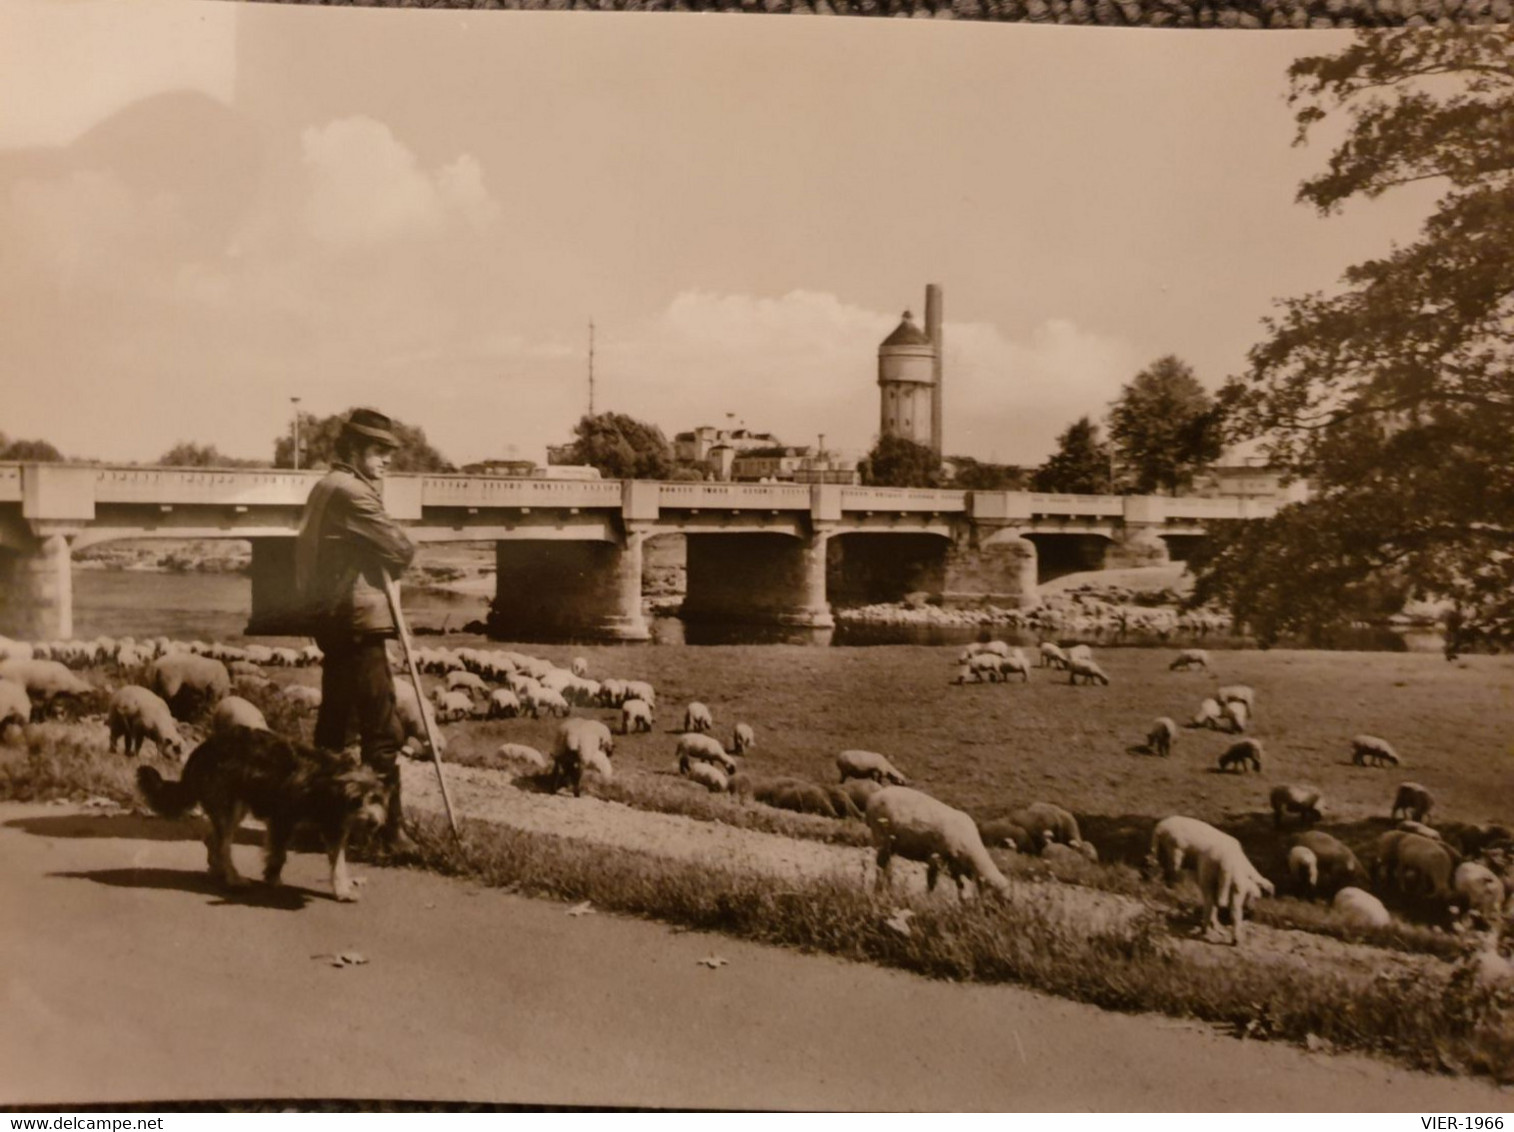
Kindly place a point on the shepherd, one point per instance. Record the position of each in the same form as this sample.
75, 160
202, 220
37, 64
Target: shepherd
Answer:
347, 549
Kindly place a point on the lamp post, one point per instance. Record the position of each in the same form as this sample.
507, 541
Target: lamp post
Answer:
295, 401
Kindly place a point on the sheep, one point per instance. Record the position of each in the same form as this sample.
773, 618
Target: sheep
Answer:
710, 776
136, 715
1360, 909
242, 685
1335, 865
466, 682
558, 679
1417, 866
1237, 755
1190, 658
612, 693
1236, 715
414, 713
1208, 715
520, 753
1370, 747
1163, 733
503, 704
859, 790
1303, 867
803, 797
915, 826
1047, 823
1079, 652
1227, 878
452, 706
967, 674
868, 764
243, 668
1303, 801
1003, 833
635, 715
580, 745
15, 705
1413, 801
579, 666
44, 680
1009, 665
16, 650
695, 747
641, 690
1052, 656
1178, 839
234, 711
1237, 693
303, 695
186, 681
545, 699
1087, 669
986, 666
743, 739
285, 657
1477, 893
697, 717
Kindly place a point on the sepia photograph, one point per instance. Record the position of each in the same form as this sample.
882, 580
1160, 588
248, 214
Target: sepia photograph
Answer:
686, 561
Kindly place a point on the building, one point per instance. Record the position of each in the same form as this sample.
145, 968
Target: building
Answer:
786, 464
909, 377
716, 449
1245, 473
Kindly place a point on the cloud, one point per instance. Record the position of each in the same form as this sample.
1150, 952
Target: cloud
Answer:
366, 187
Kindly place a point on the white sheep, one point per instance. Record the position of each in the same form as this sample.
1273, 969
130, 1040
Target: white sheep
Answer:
545, 699
503, 704
1236, 716
1239, 755
1079, 652
641, 690
612, 693
185, 678
1370, 748
694, 747
136, 715
302, 695
635, 715
743, 739
1177, 840
234, 711
1190, 658
15, 705
868, 764
579, 666
1360, 908
1052, 656
1304, 801
520, 753
45, 680
1085, 668
1477, 893
466, 682
1303, 867
1237, 693
1413, 801
1208, 715
1009, 665
708, 775
915, 826
581, 745
451, 706
414, 713
986, 666
1161, 737
697, 717
1227, 878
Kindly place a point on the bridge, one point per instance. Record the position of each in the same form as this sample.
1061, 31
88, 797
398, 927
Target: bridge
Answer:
569, 553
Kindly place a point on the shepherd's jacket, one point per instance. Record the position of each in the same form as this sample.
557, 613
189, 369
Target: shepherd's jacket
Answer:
345, 543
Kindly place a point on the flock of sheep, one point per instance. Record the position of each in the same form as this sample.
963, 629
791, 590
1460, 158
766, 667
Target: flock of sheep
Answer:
167, 682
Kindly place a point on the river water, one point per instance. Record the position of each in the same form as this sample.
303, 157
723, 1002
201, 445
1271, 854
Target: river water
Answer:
141, 603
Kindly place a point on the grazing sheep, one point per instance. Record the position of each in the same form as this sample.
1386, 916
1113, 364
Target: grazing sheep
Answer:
641, 690
1079, 652
1190, 658
1365, 748
1052, 656
1413, 801
1237, 693
1236, 716
1304, 801
1360, 909
1475, 839
579, 666
915, 826
743, 739
243, 668
409, 708
580, 745
695, 747
635, 715
1303, 867
1004, 833
234, 711
710, 776
1009, 665
1087, 669
1335, 865
1227, 878
545, 699
137, 715
186, 681
803, 797
452, 706
612, 693
302, 695
1047, 823
15, 705
503, 704
697, 717
842, 805
868, 764
859, 790
1477, 893
1163, 733
1178, 839
1416, 866
1238, 755
46, 680
1208, 715
520, 753
466, 682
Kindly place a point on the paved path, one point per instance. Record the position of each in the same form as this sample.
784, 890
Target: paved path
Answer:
127, 977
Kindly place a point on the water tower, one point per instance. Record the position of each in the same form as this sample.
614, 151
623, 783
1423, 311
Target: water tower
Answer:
909, 377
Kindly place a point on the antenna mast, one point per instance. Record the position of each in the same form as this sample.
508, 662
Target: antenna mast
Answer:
591, 367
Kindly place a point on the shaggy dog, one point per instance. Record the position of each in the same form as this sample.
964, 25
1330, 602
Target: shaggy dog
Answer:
283, 783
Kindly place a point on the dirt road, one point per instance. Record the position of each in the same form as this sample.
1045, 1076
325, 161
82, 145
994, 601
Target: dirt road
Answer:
127, 976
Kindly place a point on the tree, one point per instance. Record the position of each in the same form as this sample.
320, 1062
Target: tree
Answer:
897, 462
187, 454
976, 475
1395, 395
1165, 427
29, 451
318, 437
622, 447
1079, 465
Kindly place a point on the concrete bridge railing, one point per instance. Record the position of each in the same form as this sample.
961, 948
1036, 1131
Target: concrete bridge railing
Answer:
569, 555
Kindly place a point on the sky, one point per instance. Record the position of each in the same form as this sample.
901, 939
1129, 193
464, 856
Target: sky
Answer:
207, 209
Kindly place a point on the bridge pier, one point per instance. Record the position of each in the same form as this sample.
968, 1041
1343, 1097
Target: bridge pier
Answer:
37, 586
564, 588
999, 566
275, 605
1139, 542
758, 579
